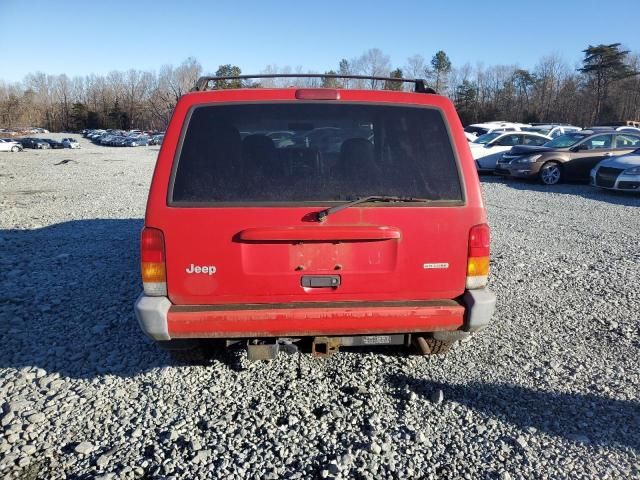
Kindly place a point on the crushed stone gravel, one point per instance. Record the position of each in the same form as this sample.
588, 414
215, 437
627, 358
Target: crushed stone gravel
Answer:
549, 390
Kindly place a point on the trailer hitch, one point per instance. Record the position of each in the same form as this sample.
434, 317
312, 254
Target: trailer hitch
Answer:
325, 346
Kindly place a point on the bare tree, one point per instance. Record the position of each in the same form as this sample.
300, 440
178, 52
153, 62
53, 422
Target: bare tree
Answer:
416, 67
373, 63
552, 91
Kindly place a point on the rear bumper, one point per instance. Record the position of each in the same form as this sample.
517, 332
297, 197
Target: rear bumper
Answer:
161, 320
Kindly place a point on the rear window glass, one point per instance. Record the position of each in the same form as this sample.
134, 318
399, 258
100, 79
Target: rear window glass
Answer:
314, 152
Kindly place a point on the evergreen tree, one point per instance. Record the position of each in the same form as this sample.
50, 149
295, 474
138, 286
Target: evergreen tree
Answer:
330, 82
344, 68
391, 85
604, 64
79, 115
441, 68
228, 70
466, 101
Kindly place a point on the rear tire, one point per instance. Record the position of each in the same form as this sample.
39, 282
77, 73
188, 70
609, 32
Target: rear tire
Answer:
15, 149
438, 347
431, 346
551, 173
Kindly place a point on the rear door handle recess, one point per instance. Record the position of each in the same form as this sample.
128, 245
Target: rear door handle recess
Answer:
320, 281
328, 233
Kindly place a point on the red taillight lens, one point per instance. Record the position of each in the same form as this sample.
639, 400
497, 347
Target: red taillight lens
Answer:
478, 261
317, 94
152, 262
151, 245
479, 241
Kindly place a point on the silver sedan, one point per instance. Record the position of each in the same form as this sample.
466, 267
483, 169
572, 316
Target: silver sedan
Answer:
618, 173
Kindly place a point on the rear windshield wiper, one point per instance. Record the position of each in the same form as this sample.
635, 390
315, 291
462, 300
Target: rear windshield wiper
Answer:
322, 214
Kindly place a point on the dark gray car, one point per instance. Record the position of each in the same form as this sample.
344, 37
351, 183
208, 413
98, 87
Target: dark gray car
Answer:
568, 157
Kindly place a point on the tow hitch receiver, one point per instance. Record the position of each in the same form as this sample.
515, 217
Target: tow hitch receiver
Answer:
327, 346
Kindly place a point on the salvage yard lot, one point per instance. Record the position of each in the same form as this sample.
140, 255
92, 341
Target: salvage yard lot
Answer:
549, 390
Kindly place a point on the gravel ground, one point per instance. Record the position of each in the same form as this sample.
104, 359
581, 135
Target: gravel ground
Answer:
550, 390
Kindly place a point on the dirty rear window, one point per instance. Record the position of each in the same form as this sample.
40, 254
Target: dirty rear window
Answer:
314, 152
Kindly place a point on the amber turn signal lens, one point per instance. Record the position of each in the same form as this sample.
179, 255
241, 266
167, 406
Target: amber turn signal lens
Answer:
153, 272
478, 266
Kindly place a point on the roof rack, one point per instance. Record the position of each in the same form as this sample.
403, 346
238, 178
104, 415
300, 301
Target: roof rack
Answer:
203, 83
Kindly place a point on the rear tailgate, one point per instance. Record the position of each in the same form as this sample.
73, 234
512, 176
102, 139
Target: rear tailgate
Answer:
377, 252
251, 235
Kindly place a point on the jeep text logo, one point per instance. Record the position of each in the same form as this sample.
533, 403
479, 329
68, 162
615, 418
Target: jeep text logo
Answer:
206, 269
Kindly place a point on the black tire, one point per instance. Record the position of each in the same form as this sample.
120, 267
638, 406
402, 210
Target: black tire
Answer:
550, 173
438, 347
15, 149
432, 346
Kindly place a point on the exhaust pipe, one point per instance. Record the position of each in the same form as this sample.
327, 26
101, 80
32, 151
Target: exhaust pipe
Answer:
423, 346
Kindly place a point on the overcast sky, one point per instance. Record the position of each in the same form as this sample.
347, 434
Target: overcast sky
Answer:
80, 37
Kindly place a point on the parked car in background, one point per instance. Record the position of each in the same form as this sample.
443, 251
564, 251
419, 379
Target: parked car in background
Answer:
121, 138
635, 130
53, 143
488, 148
9, 145
552, 130
36, 143
475, 130
568, 157
156, 140
95, 134
70, 143
121, 141
618, 173
139, 141
626, 123
107, 139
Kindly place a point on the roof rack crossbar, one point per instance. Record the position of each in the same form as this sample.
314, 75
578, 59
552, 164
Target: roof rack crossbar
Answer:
420, 85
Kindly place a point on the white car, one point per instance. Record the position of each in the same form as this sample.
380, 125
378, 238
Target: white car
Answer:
552, 130
8, 145
628, 129
70, 143
618, 173
477, 129
487, 149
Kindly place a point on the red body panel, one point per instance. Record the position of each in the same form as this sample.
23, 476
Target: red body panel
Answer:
386, 252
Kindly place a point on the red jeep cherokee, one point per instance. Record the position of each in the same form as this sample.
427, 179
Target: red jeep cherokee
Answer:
347, 217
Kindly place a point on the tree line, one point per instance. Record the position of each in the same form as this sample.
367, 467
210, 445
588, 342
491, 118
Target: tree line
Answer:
604, 87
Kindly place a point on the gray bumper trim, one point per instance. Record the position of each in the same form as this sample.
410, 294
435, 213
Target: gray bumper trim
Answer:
151, 313
479, 307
